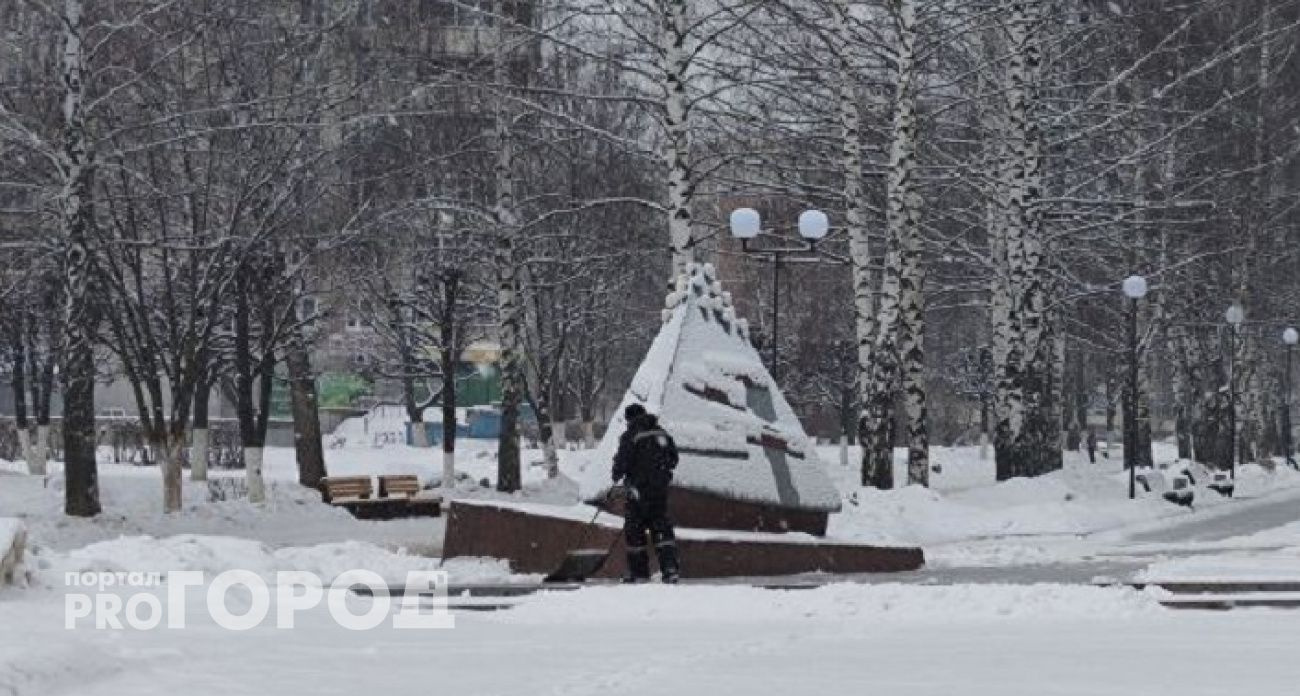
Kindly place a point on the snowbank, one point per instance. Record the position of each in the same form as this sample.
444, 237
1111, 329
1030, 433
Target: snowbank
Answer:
131, 497
965, 503
217, 554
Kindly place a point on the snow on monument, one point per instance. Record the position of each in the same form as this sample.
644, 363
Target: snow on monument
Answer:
746, 462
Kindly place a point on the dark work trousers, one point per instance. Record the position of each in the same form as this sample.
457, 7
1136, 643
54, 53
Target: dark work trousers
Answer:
649, 514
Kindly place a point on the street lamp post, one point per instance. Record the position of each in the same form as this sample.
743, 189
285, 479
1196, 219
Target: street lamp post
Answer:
1289, 337
747, 225
1135, 288
1235, 316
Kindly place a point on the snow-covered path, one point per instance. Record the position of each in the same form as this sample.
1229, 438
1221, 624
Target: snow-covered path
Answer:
900, 640
1277, 510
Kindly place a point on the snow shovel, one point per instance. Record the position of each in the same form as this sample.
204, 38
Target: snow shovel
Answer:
580, 564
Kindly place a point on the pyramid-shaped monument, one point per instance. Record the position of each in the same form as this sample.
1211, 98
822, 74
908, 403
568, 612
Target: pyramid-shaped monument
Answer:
746, 462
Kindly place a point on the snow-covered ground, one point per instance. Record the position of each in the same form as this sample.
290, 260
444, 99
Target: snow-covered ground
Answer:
687, 640
964, 518
915, 638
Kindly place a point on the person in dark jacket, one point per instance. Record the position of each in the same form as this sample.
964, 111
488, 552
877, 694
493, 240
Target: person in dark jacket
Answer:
644, 463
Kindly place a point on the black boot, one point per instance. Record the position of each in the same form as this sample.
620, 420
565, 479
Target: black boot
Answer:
638, 564
666, 552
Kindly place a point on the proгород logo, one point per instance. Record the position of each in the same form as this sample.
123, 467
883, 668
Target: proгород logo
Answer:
147, 601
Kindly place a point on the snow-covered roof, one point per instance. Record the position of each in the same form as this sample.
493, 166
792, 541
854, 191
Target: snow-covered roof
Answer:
738, 436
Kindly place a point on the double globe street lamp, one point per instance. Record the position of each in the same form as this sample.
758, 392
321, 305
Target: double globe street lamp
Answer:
814, 226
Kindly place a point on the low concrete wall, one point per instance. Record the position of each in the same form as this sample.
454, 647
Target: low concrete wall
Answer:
13, 538
535, 543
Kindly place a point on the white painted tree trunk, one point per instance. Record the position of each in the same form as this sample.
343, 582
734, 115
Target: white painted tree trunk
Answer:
588, 434
25, 446
551, 458
448, 469
253, 471
419, 435
557, 434
168, 454
675, 64
39, 463
201, 440
844, 451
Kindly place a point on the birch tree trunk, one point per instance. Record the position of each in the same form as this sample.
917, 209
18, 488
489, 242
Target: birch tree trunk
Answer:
76, 208
1007, 397
1027, 440
1251, 418
877, 437
509, 471
675, 65
904, 221
864, 278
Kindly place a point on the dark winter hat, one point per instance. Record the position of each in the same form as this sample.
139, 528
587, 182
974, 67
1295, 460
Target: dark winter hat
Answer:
633, 412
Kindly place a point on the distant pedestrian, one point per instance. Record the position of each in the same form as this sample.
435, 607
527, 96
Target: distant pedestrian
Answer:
645, 461
1092, 446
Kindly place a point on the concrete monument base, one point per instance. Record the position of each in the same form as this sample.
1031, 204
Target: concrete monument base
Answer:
535, 540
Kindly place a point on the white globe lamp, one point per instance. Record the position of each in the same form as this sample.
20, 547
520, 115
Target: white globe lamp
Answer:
1135, 287
813, 225
1235, 315
746, 223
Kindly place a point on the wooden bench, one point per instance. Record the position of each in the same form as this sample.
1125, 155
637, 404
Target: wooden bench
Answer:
336, 490
407, 485
397, 496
